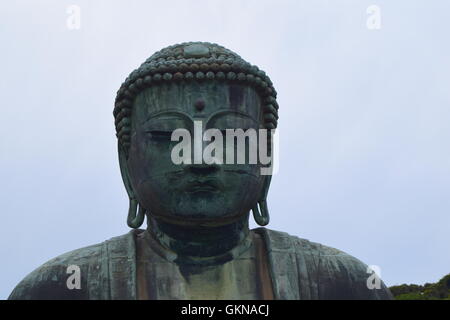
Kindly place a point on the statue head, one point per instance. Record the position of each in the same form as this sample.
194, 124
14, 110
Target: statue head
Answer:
192, 87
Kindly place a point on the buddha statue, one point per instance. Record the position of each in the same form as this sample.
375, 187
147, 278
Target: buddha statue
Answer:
197, 244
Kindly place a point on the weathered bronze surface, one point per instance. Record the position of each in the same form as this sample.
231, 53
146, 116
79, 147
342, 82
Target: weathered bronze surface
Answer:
197, 244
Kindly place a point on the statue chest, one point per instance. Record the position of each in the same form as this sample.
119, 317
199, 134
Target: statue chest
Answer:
158, 278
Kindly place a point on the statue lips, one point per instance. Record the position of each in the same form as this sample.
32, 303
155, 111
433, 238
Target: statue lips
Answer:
207, 185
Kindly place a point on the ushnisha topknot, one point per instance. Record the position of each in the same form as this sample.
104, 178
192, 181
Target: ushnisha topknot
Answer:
192, 61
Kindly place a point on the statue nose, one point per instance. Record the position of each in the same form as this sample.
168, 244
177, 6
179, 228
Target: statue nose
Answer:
203, 169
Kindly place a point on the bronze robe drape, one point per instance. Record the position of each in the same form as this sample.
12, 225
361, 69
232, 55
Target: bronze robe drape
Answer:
298, 269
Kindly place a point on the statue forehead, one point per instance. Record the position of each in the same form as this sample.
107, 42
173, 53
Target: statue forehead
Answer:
197, 99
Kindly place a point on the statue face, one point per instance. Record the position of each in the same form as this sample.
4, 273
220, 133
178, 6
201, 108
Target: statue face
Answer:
192, 193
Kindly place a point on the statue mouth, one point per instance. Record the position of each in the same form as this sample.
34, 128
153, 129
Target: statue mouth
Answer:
197, 186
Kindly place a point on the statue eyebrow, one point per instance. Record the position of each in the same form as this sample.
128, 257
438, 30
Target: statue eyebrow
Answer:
221, 112
168, 113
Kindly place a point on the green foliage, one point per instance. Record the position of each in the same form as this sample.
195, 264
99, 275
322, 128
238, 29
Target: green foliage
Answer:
429, 291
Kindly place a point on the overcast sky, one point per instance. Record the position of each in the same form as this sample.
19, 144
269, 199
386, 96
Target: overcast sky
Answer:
364, 122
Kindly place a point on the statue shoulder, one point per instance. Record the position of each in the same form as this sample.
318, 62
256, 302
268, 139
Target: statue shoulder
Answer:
329, 272
77, 274
49, 281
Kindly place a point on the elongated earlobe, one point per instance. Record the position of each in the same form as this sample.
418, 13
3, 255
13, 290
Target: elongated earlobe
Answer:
260, 210
135, 221
261, 217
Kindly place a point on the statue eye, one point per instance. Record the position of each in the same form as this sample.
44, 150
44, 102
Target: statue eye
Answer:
160, 135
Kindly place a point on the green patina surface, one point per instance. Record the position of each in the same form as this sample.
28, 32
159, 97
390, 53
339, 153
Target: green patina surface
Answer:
197, 244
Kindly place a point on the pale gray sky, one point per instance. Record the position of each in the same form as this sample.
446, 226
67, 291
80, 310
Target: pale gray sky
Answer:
364, 122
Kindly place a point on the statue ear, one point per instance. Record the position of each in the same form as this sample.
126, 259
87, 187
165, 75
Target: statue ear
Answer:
124, 171
265, 188
262, 217
133, 220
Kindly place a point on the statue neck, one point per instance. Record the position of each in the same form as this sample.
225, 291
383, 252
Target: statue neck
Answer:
201, 244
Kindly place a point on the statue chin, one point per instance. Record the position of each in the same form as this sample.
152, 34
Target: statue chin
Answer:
214, 214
